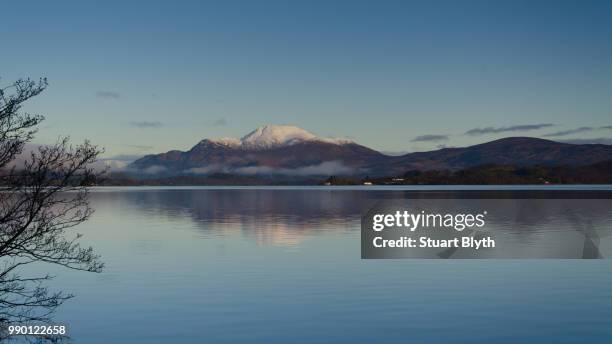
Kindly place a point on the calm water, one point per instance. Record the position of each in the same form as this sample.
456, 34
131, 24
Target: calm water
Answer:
202, 265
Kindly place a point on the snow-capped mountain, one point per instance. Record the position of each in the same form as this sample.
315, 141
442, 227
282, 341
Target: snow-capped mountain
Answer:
271, 149
271, 136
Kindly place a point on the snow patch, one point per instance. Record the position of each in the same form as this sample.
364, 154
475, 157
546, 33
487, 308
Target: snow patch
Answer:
270, 136
276, 135
226, 141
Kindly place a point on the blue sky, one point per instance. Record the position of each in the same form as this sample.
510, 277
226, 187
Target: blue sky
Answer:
144, 77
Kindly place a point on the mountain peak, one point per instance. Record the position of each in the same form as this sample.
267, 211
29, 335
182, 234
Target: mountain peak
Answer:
276, 135
521, 140
269, 136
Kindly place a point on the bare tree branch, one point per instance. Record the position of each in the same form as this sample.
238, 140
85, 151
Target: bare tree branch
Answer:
42, 195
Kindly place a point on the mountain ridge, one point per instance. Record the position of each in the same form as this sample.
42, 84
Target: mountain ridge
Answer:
271, 136
275, 150
519, 151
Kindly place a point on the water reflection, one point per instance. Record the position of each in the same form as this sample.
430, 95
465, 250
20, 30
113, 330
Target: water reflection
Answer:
271, 217
531, 222
186, 266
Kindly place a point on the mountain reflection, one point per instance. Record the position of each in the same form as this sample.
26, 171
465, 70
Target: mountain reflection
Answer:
285, 217
271, 217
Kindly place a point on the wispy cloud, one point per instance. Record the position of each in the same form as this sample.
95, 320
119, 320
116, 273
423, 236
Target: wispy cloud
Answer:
219, 122
578, 130
496, 130
140, 147
395, 153
430, 138
323, 169
119, 163
600, 140
146, 124
155, 169
124, 157
108, 95
570, 131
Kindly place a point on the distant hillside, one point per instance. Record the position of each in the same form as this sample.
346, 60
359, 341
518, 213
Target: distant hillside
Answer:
211, 157
599, 173
268, 150
517, 151
286, 152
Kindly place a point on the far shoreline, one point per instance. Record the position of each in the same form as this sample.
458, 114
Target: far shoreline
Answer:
458, 187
